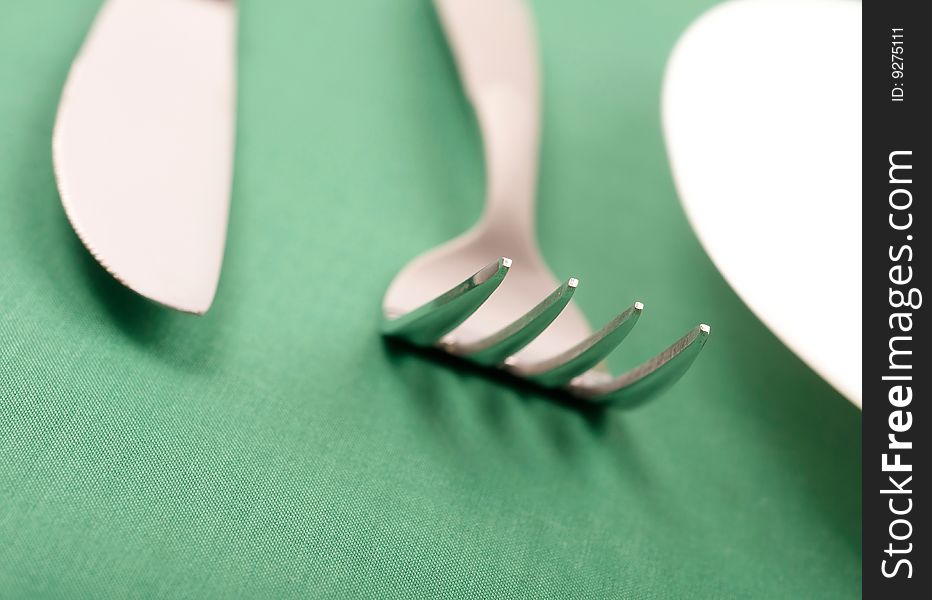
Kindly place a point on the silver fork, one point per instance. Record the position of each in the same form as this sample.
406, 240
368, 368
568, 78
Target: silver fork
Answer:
546, 341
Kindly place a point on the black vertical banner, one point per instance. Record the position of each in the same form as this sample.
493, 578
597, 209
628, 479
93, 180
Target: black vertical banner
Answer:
897, 170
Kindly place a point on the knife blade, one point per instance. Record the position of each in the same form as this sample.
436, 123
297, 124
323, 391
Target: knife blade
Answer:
143, 145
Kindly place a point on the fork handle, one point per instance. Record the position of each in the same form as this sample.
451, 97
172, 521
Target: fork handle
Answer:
496, 54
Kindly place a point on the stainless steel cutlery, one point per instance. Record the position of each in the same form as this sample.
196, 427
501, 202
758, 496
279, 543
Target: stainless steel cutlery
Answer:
143, 151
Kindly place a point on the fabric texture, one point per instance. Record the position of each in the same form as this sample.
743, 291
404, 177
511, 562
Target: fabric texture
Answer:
278, 447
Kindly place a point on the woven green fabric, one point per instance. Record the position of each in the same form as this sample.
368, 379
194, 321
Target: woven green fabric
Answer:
278, 448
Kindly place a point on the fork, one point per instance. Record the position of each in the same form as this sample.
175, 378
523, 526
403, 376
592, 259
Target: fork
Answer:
529, 327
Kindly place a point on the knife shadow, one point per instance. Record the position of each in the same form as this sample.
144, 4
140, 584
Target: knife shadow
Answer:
138, 317
161, 331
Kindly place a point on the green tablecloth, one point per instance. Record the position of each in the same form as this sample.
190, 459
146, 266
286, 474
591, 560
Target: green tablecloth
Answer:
278, 448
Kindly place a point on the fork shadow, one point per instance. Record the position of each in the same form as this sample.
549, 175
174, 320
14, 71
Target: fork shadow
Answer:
579, 434
593, 414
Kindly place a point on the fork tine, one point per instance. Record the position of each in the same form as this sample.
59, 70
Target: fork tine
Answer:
643, 382
495, 348
434, 319
562, 368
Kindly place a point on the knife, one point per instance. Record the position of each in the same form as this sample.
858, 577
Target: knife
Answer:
143, 145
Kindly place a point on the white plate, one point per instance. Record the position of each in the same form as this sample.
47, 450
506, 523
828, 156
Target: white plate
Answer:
762, 119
